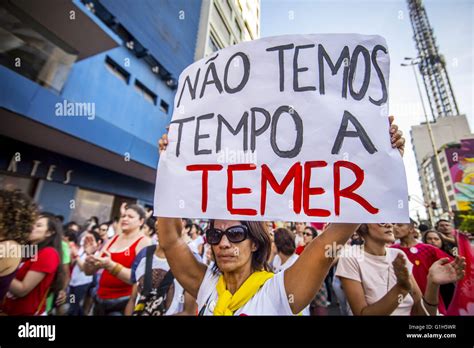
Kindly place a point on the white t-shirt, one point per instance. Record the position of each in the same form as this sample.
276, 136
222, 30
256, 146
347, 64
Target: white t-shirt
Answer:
299, 239
194, 244
271, 299
375, 273
161, 265
205, 260
78, 277
278, 267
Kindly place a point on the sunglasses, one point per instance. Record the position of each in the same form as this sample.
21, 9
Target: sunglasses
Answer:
307, 234
234, 234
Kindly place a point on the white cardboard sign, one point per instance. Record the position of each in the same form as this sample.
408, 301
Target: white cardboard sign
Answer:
288, 128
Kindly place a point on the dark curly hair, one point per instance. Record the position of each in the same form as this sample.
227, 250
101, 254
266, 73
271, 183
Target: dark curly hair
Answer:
18, 213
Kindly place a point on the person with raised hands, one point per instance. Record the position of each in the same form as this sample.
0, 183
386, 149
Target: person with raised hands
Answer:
116, 258
378, 280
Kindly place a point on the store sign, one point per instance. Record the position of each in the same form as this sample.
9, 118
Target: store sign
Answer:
39, 170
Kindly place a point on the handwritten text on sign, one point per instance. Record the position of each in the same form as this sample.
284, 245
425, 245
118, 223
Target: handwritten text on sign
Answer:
285, 128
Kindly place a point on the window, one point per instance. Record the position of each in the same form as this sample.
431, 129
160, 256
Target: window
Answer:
237, 29
446, 178
441, 160
445, 169
90, 203
451, 198
146, 92
219, 24
33, 52
226, 7
9, 182
212, 43
117, 70
164, 106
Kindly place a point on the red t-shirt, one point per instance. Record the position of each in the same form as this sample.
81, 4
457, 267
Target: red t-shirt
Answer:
46, 261
422, 256
299, 249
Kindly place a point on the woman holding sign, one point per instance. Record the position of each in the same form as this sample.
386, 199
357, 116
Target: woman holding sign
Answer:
240, 282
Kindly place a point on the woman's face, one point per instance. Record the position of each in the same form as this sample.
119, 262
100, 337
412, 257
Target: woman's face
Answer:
194, 231
232, 256
183, 223
40, 231
433, 239
131, 220
146, 230
103, 229
307, 236
381, 232
300, 226
402, 230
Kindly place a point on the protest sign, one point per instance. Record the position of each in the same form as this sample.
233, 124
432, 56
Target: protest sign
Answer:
289, 128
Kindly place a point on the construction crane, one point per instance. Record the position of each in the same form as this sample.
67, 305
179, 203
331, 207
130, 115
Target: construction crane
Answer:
431, 64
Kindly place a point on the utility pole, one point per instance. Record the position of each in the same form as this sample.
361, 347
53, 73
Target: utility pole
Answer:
444, 191
432, 65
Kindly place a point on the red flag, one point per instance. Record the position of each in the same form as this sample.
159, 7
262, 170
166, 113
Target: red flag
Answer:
318, 225
463, 298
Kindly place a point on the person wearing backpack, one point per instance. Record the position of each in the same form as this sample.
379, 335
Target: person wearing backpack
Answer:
155, 290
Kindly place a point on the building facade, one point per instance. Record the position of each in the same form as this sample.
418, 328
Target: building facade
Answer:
225, 23
448, 132
87, 89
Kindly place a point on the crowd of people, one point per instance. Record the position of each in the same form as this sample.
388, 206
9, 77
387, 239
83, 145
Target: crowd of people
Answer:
140, 265
127, 267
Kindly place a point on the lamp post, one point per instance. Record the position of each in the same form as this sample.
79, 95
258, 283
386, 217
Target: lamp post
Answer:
412, 62
424, 204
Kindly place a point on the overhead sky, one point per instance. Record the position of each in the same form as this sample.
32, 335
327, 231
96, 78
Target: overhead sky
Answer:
453, 25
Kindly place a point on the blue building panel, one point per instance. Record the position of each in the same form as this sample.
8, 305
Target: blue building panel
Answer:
125, 121
167, 28
56, 198
30, 100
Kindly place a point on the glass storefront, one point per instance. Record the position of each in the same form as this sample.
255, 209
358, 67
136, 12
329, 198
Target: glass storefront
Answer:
9, 182
89, 203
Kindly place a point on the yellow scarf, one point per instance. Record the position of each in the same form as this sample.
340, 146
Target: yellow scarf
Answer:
227, 303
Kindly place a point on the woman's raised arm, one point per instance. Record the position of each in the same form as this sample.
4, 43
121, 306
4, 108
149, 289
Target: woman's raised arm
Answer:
185, 267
